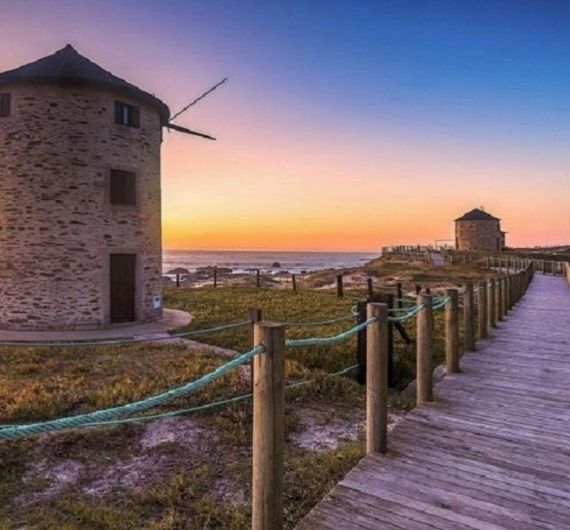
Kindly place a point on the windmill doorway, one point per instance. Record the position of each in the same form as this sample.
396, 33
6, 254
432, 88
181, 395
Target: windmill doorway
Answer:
122, 275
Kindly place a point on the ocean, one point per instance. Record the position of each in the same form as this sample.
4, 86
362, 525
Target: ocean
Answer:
242, 260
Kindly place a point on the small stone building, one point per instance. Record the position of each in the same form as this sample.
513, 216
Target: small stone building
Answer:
80, 213
479, 230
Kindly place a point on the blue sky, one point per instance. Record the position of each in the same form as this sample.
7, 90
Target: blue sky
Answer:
457, 103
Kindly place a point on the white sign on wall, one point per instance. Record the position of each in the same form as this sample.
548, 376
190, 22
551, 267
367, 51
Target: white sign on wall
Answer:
156, 301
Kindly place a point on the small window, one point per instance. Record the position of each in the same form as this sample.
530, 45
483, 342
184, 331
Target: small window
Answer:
126, 114
123, 188
5, 105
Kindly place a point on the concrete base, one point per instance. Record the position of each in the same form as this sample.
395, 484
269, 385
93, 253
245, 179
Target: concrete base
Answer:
171, 319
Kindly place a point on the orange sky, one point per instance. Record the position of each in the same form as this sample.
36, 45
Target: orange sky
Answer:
341, 130
286, 193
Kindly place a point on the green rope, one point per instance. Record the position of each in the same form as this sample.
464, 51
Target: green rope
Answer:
200, 408
439, 303
320, 341
320, 323
410, 314
21, 431
166, 337
402, 309
208, 406
128, 341
106, 415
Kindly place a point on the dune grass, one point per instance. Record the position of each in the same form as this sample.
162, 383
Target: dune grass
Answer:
43, 383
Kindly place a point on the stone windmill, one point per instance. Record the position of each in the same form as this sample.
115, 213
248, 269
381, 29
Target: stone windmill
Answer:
80, 201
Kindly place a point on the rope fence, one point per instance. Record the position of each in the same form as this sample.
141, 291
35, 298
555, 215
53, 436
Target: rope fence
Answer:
109, 416
495, 297
22, 431
182, 335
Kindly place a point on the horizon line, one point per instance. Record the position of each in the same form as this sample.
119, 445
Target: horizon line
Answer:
358, 251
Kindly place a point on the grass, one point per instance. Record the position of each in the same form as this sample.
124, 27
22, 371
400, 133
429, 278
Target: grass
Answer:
43, 383
184, 499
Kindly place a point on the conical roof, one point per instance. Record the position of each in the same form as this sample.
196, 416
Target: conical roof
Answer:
477, 215
67, 65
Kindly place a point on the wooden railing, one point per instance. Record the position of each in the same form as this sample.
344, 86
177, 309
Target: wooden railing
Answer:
493, 298
408, 252
544, 266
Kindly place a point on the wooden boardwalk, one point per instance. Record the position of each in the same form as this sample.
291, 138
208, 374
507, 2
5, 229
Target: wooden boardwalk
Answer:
493, 450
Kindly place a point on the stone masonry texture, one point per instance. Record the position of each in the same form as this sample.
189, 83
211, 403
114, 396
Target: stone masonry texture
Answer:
57, 226
478, 235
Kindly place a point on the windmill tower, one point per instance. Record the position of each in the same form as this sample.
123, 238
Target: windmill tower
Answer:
479, 230
80, 203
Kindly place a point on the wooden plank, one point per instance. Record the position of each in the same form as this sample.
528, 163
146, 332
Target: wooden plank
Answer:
462, 501
492, 450
480, 483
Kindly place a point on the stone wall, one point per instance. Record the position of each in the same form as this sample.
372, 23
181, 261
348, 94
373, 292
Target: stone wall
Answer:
57, 226
478, 235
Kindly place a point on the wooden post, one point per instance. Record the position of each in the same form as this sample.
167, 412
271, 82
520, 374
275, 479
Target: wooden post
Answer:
257, 278
482, 310
400, 294
361, 344
468, 318
177, 280
253, 315
391, 381
492, 307
418, 288
499, 299
370, 287
339, 288
294, 280
509, 292
268, 428
377, 380
452, 332
424, 338
505, 299
215, 276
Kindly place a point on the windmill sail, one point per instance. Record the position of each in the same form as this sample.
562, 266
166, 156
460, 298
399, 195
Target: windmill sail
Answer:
199, 98
188, 131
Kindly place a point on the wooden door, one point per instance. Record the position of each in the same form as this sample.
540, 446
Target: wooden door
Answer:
122, 286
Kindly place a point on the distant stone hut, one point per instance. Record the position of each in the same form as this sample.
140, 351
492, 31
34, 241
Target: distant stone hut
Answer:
80, 207
479, 230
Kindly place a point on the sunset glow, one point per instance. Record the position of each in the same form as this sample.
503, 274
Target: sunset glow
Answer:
341, 127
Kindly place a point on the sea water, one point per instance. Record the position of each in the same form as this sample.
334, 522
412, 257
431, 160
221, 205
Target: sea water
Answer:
242, 260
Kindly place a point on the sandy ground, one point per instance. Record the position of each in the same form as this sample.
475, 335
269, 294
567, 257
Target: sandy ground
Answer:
322, 428
172, 444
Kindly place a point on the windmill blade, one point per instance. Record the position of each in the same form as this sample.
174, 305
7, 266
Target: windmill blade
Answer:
199, 98
188, 131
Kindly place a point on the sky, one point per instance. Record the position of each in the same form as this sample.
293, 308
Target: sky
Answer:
344, 125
